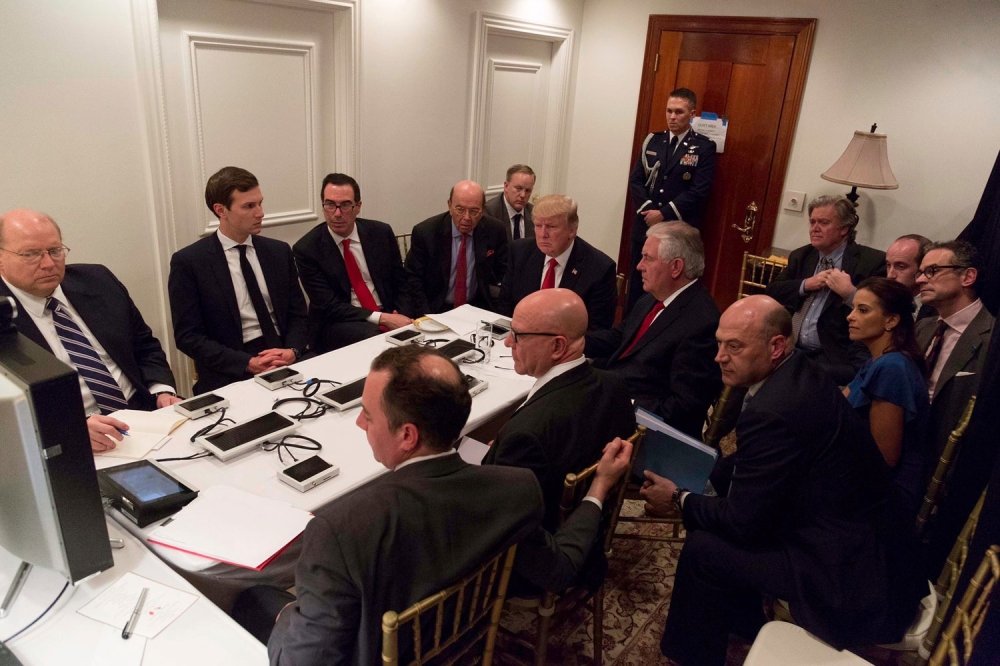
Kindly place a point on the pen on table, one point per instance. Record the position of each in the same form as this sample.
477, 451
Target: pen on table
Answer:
124, 432
130, 625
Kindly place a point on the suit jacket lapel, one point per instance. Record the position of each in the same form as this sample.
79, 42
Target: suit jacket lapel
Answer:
373, 255
328, 248
220, 268
565, 379
444, 248
571, 273
967, 346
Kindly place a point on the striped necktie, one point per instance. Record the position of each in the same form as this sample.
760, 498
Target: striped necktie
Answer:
86, 360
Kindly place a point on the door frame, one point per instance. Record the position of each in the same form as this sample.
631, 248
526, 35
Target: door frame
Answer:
803, 30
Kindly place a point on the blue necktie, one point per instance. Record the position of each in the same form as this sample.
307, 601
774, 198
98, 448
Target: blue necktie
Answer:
86, 360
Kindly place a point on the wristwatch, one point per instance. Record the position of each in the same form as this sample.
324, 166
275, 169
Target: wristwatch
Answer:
676, 496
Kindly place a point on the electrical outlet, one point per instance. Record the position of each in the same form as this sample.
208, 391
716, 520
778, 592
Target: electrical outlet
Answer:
794, 201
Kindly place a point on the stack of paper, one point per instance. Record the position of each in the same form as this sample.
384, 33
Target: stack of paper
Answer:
670, 453
146, 431
233, 526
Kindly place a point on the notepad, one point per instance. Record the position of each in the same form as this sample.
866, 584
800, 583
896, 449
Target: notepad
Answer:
232, 526
114, 605
146, 431
673, 454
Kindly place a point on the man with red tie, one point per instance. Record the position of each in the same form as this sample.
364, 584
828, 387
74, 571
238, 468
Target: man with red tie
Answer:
665, 348
557, 257
456, 257
351, 269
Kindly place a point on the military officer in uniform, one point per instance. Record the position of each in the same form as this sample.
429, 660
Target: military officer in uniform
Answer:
671, 178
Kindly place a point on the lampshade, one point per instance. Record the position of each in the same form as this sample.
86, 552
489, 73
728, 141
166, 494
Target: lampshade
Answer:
865, 163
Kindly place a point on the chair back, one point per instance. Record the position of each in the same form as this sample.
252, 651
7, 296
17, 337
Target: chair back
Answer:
757, 273
403, 240
935, 486
452, 621
575, 487
958, 639
722, 418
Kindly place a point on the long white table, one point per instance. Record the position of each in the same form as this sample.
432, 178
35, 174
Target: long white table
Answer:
344, 443
203, 634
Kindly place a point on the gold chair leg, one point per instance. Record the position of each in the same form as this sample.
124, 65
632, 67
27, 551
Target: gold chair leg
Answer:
545, 610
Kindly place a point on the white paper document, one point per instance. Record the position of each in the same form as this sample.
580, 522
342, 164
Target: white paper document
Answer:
464, 320
162, 605
472, 451
232, 526
146, 431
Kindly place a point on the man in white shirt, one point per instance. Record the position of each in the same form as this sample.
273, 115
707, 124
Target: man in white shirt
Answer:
85, 316
513, 206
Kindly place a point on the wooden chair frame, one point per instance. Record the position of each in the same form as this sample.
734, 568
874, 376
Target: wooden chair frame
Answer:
478, 595
967, 619
757, 272
938, 480
403, 240
574, 490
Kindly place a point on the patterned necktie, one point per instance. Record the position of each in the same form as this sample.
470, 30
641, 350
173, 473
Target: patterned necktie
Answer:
271, 338
646, 323
358, 283
86, 360
799, 317
934, 348
461, 273
517, 225
549, 282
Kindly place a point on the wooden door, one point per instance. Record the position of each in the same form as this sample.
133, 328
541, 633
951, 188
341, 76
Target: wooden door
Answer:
751, 71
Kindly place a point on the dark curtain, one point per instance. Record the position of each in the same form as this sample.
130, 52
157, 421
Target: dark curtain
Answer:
984, 232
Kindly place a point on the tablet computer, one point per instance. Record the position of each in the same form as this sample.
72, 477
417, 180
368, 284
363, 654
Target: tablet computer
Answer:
143, 491
458, 350
245, 436
346, 396
275, 379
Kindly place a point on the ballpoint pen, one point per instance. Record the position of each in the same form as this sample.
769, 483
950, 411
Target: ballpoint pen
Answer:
130, 625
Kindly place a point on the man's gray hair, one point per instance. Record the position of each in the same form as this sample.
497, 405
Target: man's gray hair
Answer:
680, 239
846, 212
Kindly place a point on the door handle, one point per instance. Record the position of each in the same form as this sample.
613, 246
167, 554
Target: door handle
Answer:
749, 222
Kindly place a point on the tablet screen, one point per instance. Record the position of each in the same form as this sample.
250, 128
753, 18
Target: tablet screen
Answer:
146, 482
346, 393
261, 426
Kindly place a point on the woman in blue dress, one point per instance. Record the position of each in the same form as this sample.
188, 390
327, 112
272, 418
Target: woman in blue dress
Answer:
890, 390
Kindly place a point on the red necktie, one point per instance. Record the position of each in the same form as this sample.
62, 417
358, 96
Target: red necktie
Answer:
461, 274
550, 275
358, 284
646, 323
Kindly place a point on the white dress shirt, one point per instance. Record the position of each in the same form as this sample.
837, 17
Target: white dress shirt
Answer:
248, 316
359, 257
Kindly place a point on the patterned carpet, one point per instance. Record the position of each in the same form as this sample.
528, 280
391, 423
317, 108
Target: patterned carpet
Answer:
637, 596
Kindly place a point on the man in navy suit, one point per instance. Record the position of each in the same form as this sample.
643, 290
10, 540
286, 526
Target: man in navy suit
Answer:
351, 269
557, 257
672, 177
664, 349
513, 206
235, 298
818, 287
34, 271
457, 257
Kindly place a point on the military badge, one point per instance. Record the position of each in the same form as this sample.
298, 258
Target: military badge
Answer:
689, 159
687, 175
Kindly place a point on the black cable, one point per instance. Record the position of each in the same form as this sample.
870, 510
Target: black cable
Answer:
209, 428
284, 444
313, 408
311, 387
193, 456
32, 623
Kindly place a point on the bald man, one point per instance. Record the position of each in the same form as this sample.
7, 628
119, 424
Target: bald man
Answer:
802, 516
456, 257
572, 410
127, 366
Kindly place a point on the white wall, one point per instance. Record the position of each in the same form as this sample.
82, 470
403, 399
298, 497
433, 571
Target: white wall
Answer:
926, 71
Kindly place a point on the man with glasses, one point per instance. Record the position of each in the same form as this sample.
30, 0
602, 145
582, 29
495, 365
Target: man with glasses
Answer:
86, 318
572, 410
817, 287
235, 298
456, 257
665, 348
351, 269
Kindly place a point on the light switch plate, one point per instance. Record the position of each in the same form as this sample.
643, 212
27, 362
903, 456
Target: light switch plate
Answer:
794, 201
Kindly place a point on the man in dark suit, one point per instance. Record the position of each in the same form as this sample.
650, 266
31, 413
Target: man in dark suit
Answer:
131, 368
549, 433
902, 261
235, 298
351, 269
457, 257
557, 257
955, 343
802, 517
513, 206
672, 177
421, 526
818, 287
664, 349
